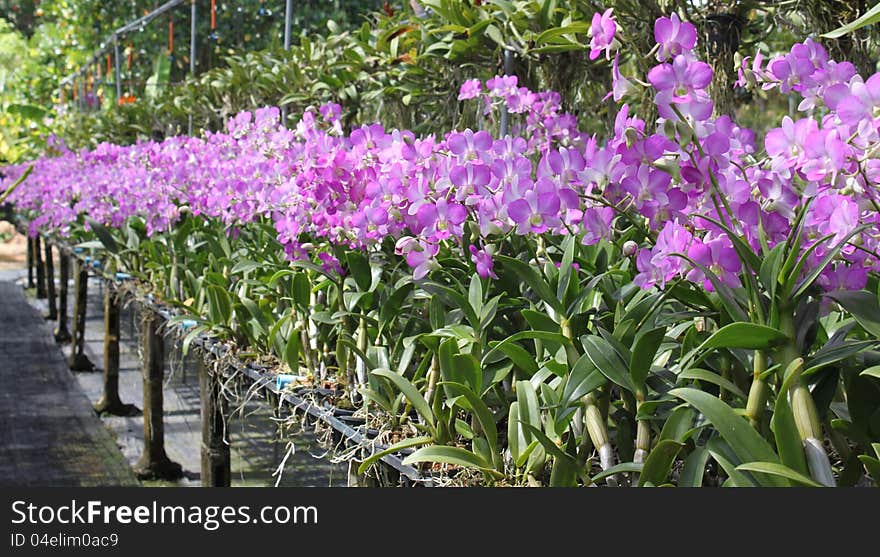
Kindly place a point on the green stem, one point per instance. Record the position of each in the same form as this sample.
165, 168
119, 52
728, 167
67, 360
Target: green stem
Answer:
758, 392
803, 406
643, 432
595, 423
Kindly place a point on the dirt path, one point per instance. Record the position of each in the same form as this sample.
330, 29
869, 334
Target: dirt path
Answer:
13, 247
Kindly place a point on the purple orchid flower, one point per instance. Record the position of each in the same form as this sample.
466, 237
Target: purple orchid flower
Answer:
602, 31
482, 258
470, 89
537, 211
673, 36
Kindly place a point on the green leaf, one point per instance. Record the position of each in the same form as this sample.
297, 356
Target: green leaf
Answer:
747, 443
551, 35
566, 269
516, 440
452, 298
485, 417
583, 379
872, 466
776, 469
467, 372
873, 371
744, 335
302, 289
679, 423
159, 79
410, 392
741, 246
711, 377
451, 455
785, 431
547, 443
521, 357
770, 267
529, 410
522, 335
17, 183
720, 452
808, 280
104, 236
244, 266
694, 468
833, 353
643, 352
862, 305
527, 273
359, 264
404, 444
292, 350
540, 321
607, 360
219, 305
617, 469
659, 462
475, 294
728, 297
31, 112
494, 33
739, 335
870, 17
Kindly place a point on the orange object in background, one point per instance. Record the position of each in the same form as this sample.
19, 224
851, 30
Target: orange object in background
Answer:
170, 36
213, 15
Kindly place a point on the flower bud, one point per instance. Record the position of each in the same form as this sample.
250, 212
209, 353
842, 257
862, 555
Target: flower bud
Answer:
630, 248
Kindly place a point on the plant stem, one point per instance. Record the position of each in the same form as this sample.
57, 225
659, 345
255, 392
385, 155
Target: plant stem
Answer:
758, 392
593, 419
804, 408
434, 374
643, 432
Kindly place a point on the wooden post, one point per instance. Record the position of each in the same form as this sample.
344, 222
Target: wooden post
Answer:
154, 463
216, 468
62, 334
78, 360
50, 283
41, 271
110, 402
30, 262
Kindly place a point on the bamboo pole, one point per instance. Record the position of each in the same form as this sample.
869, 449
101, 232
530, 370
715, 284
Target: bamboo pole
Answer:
50, 283
110, 403
216, 467
62, 333
154, 464
30, 264
78, 361
41, 271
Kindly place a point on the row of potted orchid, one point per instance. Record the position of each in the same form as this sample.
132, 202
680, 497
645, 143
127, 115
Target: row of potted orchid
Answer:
680, 303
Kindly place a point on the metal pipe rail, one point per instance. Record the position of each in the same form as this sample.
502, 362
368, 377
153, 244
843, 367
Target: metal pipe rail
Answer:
112, 40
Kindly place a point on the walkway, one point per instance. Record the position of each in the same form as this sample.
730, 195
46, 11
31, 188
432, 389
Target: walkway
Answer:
49, 434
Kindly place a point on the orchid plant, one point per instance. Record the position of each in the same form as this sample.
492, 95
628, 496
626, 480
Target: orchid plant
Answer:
681, 302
